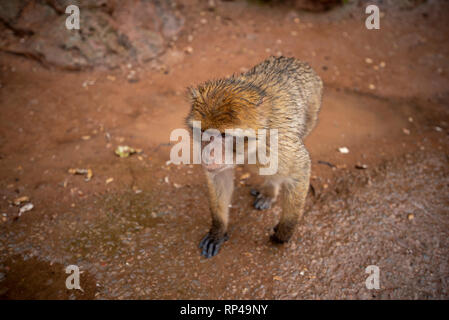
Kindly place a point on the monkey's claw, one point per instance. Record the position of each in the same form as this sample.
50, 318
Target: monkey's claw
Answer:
254, 192
211, 245
262, 202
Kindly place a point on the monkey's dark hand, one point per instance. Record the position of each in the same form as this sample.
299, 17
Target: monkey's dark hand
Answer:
211, 244
262, 202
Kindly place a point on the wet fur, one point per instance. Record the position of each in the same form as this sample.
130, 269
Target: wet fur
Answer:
280, 93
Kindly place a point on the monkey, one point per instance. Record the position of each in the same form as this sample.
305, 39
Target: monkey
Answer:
279, 93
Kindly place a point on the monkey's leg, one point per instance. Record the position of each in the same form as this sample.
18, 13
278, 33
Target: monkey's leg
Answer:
220, 186
312, 111
293, 200
266, 195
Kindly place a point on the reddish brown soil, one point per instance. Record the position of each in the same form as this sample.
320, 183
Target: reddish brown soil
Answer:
143, 245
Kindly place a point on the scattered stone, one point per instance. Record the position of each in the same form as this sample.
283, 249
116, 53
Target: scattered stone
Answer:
438, 129
26, 208
86, 172
137, 190
382, 64
368, 60
125, 151
132, 77
326, 163
109, 180
88, 83
406, 131
211, 5
188, 50
372, 86
410, 216
343, 150
361, 166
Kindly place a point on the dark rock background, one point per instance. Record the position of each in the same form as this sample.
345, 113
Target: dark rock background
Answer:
110, 33
113, 32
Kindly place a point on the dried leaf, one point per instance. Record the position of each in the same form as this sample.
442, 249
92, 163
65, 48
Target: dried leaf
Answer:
124, 151
19, 200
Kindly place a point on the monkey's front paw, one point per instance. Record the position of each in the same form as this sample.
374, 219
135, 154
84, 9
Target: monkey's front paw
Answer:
262, 202
211, 244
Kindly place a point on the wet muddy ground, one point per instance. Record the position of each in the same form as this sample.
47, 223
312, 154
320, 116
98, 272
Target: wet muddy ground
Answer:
134, 228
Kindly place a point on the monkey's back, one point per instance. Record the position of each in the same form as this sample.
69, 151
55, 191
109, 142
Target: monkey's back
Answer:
293, 91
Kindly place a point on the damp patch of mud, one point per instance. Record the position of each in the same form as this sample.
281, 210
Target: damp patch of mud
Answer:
33, 279
394, 216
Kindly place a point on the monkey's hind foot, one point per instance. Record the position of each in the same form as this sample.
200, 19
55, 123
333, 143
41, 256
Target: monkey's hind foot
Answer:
262, 202
281, 234
211, 244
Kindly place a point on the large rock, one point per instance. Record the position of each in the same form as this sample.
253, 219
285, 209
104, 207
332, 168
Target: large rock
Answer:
111, 32
10, 10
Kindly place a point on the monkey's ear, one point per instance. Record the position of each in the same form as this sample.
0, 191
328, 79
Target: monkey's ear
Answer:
193, 93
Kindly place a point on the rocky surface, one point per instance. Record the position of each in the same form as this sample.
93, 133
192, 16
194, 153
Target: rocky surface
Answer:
111, 32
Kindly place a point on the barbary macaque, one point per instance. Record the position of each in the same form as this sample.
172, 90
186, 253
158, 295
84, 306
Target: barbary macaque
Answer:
280, 97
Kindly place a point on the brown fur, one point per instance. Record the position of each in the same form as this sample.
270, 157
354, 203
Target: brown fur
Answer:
280, 93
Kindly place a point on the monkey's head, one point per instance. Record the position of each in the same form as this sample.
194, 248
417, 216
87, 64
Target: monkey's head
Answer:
222, 110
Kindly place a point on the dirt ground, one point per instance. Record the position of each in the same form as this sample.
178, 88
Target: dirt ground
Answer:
136, 236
